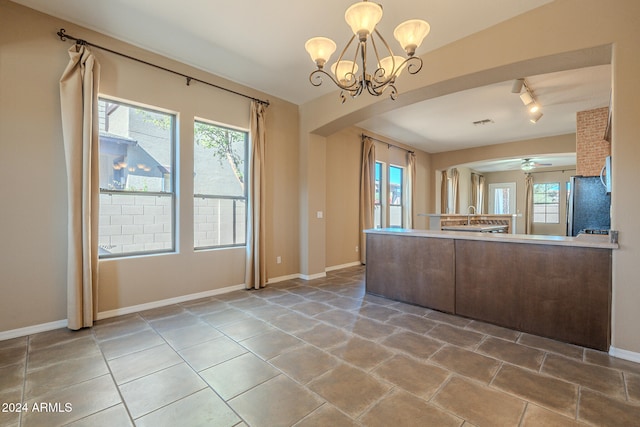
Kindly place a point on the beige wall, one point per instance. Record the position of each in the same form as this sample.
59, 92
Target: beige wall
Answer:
344, 151
560, 144
343, 162
551, 175
548, 145
561, 35
33, 254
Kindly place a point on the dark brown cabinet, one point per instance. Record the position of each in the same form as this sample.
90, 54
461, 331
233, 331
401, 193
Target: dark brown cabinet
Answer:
554, 291
412, 269
561, 292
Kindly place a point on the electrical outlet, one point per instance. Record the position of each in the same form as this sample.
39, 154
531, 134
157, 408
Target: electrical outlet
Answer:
357, 248
278, 260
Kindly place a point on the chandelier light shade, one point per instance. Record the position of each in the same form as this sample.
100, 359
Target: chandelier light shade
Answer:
411, 33
345, 71
353, 77
392, 65
363, 17
320, 49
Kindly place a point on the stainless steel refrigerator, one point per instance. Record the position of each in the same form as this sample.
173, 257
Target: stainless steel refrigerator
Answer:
589, 209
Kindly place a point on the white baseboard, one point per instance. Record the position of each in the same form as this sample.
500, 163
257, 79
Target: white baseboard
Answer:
35, 329
273, 280
313, 276
341, 266
44, 327
624, 354
169, 301
282, 278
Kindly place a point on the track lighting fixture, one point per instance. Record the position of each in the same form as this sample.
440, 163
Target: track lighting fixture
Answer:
527, 98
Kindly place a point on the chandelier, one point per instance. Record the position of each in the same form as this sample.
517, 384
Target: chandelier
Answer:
363, 17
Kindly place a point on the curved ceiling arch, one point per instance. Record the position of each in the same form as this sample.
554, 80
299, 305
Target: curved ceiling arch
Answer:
326, 116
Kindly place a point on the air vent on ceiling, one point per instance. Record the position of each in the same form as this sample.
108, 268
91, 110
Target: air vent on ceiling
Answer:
483, 122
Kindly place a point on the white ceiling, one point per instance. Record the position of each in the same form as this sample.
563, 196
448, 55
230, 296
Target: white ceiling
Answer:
260, 44
446, 123
553, 162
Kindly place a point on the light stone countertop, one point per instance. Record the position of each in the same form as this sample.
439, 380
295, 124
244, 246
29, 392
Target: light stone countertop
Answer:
464, 215
583, 240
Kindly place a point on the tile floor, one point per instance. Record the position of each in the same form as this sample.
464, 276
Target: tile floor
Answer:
317, 353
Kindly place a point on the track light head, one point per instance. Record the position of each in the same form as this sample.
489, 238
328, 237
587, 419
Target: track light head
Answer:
517, 86
535, 117
526, 98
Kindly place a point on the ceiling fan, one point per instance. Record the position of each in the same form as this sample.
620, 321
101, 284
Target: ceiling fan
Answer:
528, 164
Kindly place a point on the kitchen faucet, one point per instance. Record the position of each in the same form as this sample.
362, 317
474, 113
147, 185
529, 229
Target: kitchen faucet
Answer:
469, 213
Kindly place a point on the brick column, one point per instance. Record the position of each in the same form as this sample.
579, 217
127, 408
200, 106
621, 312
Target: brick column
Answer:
591, 148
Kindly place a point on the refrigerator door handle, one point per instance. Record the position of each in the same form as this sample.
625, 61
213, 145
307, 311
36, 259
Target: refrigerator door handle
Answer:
604, 168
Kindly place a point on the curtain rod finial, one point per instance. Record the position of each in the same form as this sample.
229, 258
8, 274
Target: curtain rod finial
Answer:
62, 35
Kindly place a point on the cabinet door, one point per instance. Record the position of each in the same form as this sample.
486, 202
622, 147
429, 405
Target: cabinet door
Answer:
557, 292
417, 270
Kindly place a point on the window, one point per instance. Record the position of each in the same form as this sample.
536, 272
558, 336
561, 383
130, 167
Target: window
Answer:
137, 197
502, 198
396, 196
377, 203
389, 211
546, 203
219, 186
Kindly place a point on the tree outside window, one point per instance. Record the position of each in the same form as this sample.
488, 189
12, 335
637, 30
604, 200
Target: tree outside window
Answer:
220, 196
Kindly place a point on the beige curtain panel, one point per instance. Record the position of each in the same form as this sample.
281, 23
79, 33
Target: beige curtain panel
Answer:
411, 166
481, 185
475, 182
528, 205
367, 193
477, 192
444, 193
79, 106
256, 263
455, 178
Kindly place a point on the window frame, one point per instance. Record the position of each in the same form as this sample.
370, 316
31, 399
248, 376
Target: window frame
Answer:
172, 194
247, 142
546, 205
401, 205
511, 188
381, 205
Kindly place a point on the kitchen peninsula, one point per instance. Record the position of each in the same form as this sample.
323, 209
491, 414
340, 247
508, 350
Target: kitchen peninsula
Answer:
552, 286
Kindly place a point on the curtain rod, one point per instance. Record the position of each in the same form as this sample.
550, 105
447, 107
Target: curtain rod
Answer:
388, 143
558, 170
64, 36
